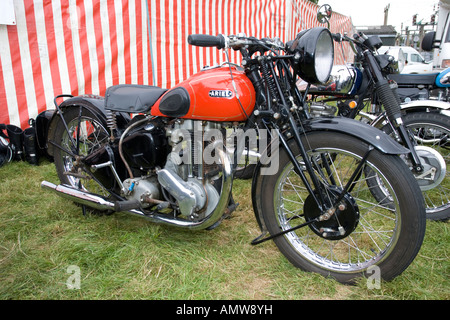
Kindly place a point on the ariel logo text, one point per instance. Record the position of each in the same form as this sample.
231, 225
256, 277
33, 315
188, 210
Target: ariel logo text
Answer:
220, 93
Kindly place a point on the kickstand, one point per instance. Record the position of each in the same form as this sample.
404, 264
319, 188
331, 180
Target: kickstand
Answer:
83, 207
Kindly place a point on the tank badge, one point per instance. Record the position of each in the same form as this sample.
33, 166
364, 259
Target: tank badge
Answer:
220, 93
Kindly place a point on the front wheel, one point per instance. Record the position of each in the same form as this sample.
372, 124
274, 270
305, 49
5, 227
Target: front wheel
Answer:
366, 232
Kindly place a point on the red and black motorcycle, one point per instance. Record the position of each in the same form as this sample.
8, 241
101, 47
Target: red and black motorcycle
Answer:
173, 161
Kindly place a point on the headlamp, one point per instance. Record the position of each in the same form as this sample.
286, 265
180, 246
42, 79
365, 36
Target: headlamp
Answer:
313, 52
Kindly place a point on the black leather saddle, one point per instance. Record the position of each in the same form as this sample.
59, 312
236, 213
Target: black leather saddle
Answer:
132, 98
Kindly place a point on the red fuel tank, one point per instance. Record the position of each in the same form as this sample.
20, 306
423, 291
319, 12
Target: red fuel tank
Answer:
209, 95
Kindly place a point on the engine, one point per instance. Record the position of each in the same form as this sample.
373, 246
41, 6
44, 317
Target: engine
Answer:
167, 167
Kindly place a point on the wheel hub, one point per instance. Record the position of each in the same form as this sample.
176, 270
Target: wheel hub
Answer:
340, 222
434, 168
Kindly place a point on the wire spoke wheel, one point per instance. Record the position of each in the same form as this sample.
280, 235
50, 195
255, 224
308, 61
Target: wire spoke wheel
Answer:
366, 231
85, 135
436, 136
378, 225
431, 132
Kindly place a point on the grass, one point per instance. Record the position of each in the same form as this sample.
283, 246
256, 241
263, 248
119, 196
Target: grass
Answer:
125, 257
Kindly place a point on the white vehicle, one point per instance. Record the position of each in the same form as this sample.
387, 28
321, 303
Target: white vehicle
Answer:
411, 60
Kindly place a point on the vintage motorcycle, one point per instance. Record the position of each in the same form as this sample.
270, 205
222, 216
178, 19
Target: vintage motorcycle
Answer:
425, 127
173, 162
432, 86
355, 91
424, 92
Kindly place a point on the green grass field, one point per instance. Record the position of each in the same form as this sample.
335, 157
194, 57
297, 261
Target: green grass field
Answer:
43, 237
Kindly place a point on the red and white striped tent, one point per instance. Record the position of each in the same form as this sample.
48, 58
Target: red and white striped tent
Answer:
51, 47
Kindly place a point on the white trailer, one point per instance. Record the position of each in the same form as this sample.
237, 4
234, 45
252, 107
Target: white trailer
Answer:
439, 40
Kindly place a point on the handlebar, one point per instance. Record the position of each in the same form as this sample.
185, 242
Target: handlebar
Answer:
360, 40
235, 42
205, 40
339, 38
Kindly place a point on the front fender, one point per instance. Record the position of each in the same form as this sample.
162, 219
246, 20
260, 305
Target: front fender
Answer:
368, 134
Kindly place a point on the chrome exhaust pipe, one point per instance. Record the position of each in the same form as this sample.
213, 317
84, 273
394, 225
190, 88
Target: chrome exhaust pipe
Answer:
79, 196
102, 204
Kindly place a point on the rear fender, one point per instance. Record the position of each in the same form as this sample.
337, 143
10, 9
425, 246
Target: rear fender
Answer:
95, 104
427, 105
418, 106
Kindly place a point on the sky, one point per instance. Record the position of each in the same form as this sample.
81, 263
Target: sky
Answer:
371, 12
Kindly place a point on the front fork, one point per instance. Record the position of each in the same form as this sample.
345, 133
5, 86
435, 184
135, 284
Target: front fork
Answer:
387, 95
407, 140
328, 207
401, 134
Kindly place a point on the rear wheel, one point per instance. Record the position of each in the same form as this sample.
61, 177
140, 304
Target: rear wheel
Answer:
365, 232
85, 135
431, 132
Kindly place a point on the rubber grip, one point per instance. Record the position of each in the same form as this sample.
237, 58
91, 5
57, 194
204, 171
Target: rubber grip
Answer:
205, 40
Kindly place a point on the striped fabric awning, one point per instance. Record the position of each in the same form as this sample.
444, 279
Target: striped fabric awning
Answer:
83, 47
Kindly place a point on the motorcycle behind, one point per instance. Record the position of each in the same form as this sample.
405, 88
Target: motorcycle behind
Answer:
173, 161
432, 86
